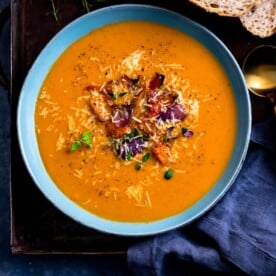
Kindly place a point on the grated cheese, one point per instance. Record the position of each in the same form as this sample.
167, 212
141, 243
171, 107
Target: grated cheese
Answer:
71, 123
60, 142
78, 173
135, 192
136, 119
132, 62
148, 200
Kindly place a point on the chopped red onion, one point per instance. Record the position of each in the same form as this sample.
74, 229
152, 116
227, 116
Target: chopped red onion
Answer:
187, 132
121, 115
175, 112
129, 147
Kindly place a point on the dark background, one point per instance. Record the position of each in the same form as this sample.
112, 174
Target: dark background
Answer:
32, 232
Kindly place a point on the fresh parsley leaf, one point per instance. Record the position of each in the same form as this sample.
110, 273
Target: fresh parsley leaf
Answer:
112, 95
128, 156
130, 135
86, 138
122, 94
76, 145
146, 157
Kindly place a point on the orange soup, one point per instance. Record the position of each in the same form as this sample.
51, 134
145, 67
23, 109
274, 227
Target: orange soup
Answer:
136, 121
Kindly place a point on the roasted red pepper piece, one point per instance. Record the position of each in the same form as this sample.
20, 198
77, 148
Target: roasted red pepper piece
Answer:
115, 131
162, 153
155, 109
156, 81
91, 87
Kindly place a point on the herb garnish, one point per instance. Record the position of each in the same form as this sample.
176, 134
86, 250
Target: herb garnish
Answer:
87, 5
145, 158
55, 11
128, 156
138, 167
168, 174
122, 94
112, 95
130, 135
85, 139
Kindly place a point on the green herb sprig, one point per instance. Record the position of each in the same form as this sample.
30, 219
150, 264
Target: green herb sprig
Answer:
87, 5
85, 139
115, 96
168, 174
55, 11
112, 95
145, 158
122, 94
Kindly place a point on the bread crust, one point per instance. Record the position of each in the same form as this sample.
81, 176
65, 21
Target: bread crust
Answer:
257, 16
260, 20
232, 8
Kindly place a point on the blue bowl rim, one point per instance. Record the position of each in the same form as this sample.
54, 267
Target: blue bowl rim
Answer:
27, 137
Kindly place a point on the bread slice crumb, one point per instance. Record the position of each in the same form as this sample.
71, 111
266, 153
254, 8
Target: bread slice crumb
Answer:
232, 8
260, 20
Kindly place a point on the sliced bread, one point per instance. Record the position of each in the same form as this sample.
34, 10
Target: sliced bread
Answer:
226, 7
260, 20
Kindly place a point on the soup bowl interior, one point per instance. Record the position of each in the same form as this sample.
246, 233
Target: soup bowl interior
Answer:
37, 74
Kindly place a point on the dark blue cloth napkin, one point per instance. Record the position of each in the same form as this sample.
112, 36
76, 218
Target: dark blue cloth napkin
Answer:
237, 236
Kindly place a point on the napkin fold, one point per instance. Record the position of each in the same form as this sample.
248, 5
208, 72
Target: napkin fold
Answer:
237, 236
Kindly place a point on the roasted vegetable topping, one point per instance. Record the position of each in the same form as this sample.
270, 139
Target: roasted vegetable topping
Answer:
121, 115
140, 117
156, 82
174, 113
187, 132
126, 147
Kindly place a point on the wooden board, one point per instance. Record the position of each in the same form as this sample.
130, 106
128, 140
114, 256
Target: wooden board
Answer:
37, 227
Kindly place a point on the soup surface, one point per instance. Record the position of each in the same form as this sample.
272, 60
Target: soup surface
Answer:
136, 121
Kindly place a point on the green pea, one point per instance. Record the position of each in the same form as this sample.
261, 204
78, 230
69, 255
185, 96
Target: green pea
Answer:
168, 174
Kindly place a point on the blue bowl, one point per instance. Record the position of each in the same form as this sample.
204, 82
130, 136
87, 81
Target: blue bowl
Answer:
42, 65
